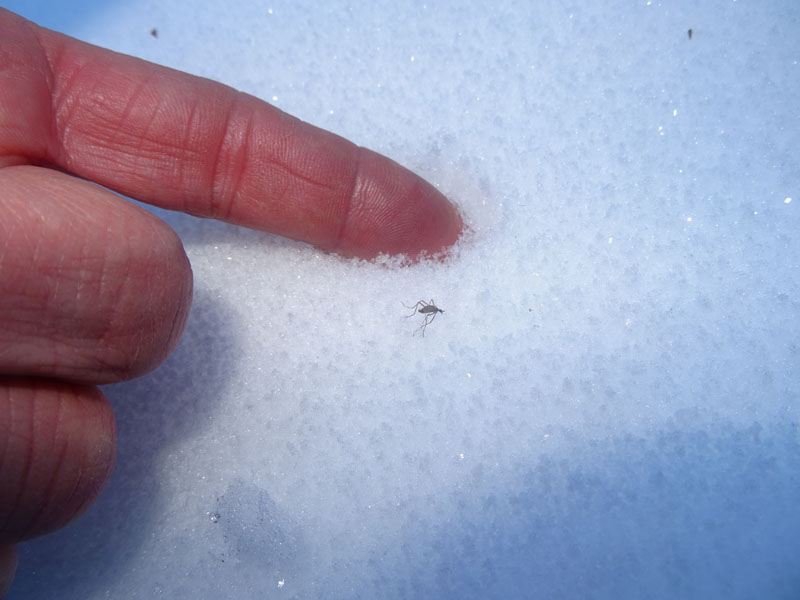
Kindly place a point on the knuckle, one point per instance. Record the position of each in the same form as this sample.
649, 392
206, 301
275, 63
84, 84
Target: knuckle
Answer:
92, 288
229, 160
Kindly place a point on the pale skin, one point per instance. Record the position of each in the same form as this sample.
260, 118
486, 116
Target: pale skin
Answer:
95, 290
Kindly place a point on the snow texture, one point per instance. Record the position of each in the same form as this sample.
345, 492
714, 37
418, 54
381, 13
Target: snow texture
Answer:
608, 407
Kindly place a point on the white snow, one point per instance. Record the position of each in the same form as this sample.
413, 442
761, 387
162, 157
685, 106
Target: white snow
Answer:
609, 405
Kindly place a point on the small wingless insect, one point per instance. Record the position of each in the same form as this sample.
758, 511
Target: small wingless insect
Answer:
429, 309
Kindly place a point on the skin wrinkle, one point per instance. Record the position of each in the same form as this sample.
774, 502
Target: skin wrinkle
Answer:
180, 153
26, 457
70, 470
64, 105
59, 447
283, 168
131, 103
99, 105
133, 358
93, 367
137, 153
47, 74
51, 142
223, 186
91, 463
296, 174
354, 189
238, 165
127, 285
89, 272
52, 303
131, 329
274, 161
133, 340
29, 318
186, 136
57, 286
50, 298
54, 353
281, 161
112, 309
62, 109
177, 320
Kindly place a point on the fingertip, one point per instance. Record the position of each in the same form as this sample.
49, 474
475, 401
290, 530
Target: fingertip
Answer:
394, 211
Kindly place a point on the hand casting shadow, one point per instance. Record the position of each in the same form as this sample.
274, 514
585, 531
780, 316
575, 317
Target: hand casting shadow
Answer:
152, 413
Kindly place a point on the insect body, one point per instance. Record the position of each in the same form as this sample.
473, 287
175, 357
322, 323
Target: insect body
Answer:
429, 309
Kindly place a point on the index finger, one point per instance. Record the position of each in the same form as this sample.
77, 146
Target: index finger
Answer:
190, 144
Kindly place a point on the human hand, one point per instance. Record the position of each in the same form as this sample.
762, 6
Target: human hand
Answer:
95, 290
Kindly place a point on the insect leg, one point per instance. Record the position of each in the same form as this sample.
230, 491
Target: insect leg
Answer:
428, 319
416, 307
421, 327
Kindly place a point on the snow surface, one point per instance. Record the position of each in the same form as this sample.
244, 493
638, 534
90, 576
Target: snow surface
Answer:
609, 406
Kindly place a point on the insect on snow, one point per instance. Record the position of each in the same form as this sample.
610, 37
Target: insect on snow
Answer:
429, 309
